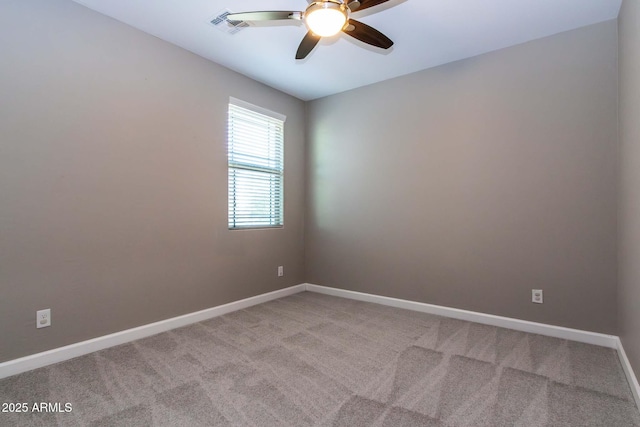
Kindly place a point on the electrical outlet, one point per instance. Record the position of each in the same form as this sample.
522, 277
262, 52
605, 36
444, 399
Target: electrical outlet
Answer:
536, 296
280, 271
43, 318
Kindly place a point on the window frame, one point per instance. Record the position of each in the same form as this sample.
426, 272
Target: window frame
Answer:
272, 118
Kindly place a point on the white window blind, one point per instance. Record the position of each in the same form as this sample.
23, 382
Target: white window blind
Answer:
255, 150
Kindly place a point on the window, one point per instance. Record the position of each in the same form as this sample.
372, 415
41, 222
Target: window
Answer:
255, 148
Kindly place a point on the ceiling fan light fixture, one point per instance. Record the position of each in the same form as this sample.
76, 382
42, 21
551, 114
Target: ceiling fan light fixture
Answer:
326, 18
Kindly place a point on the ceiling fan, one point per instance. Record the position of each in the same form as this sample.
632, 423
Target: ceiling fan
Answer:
325, 18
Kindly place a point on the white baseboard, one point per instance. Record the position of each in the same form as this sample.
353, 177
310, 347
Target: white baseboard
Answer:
610, 341
628, 370
594, 338
23, 364
61, 354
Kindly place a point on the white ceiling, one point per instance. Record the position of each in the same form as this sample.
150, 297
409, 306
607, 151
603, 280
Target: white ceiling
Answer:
426, 33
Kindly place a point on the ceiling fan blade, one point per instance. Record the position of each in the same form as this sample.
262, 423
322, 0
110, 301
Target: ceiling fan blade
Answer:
274, 15
365, 4
367, 34
306, 46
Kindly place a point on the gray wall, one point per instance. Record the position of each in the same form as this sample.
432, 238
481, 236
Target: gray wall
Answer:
629, 287
470, 184
113, 180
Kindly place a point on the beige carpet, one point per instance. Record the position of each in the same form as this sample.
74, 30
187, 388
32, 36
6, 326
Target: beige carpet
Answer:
311, 359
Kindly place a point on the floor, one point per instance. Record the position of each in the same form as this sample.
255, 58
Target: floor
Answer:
311, 359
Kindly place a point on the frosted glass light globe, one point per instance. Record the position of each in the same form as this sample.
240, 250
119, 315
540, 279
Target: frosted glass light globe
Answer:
325, 20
